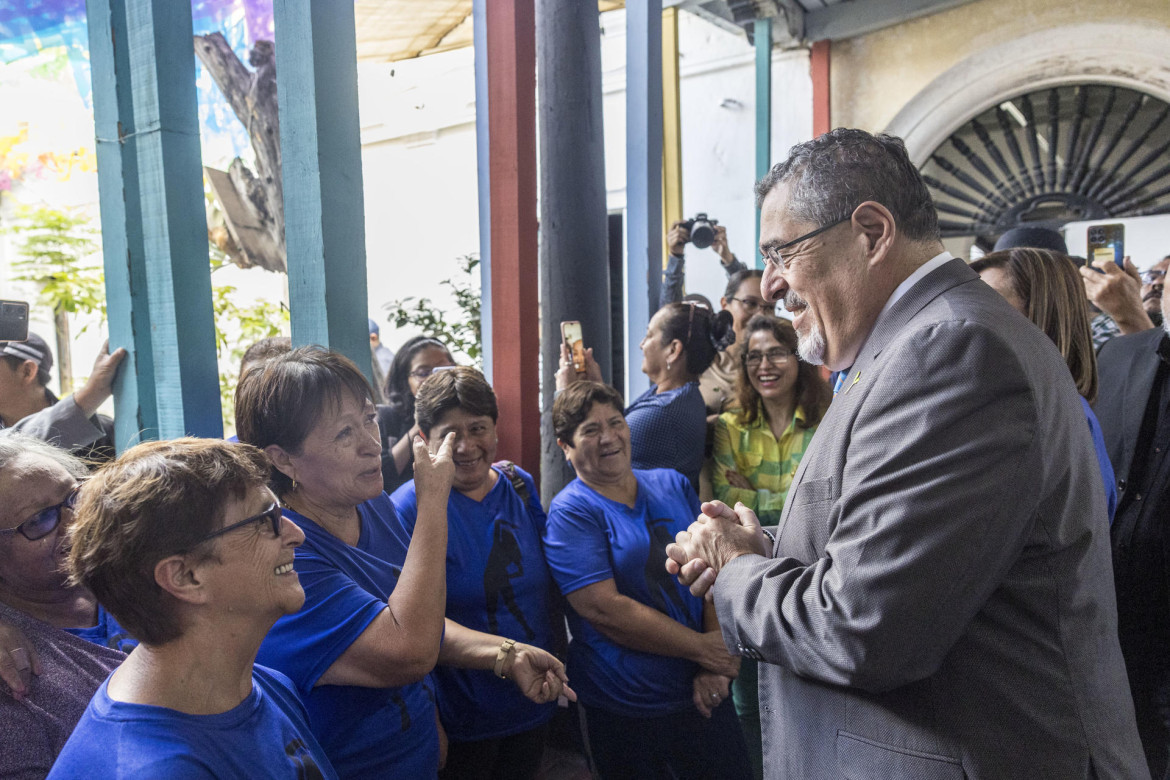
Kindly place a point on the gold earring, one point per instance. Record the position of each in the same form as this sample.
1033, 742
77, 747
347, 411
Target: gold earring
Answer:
294, 486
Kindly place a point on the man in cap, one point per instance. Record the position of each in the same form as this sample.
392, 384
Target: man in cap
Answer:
72, 423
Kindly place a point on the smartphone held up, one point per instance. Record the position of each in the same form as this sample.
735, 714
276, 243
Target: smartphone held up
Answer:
1107, 242
571, 334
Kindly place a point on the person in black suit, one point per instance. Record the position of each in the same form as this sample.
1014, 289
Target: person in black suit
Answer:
1134, 410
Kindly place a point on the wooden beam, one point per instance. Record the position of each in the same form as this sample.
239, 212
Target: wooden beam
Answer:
158, 277
511, 51
819, 57
763, 40
320, 147
644, 173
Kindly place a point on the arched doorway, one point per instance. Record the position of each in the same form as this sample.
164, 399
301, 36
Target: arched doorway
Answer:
1052, 156
1065, 72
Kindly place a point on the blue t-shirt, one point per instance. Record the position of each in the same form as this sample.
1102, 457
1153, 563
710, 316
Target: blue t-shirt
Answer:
498, 582
1103, 463
590, 539
267, 735
106, 633
668, 430
366, 732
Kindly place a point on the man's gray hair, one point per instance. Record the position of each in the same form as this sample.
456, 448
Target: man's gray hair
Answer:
833, 174
14, 445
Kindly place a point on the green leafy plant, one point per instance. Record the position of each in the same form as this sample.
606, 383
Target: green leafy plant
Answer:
254, 321
57, 250
462, 333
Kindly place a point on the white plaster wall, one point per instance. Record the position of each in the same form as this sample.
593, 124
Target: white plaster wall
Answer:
419, 160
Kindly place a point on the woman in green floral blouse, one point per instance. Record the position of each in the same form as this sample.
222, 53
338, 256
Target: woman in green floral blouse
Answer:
757, 449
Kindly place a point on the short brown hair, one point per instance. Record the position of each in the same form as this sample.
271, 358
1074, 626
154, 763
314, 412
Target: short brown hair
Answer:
812, 391
454, 388
1053, 294
283, 398
158, 499
573, 404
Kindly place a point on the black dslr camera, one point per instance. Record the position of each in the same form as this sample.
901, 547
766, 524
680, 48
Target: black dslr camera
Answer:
701, 230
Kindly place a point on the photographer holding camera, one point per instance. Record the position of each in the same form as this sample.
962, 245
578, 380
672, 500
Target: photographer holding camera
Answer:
702, 232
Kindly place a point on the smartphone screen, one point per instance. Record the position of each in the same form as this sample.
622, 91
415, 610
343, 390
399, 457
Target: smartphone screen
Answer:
13, 321
1107, 242
571, 333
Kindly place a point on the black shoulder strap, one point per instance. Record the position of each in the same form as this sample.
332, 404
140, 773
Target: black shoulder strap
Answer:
509, 469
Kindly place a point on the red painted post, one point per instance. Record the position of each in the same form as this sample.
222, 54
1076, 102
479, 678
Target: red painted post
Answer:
511, 57
822, 98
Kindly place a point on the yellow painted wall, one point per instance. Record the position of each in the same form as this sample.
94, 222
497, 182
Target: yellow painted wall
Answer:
874, 75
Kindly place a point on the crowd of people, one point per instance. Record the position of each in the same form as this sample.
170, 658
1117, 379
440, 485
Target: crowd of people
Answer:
948, 561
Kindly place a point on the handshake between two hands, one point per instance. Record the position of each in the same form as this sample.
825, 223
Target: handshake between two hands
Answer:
719, 535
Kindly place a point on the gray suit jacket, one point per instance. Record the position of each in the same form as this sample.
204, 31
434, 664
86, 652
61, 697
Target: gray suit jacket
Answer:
939, 603
1127, 365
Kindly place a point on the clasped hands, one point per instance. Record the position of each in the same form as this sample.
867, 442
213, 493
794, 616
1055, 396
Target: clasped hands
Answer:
719, 535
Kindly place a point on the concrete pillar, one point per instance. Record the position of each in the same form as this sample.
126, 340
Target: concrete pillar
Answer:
573, 242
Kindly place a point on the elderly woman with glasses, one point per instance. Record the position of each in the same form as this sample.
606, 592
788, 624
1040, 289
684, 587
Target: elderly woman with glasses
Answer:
416, 360
668, 423
758, 445
648, 661
373, 625
57, 644
184, 543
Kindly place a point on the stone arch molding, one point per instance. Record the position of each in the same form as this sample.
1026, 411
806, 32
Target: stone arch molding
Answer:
1124, 55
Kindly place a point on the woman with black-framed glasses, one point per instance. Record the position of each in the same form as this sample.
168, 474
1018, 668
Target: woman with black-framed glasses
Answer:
758, 445
56, 643
182, 541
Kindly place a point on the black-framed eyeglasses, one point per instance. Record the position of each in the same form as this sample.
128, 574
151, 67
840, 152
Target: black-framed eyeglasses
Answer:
777, 356
753, 305
772, 253
1153, 276
43, 522
272, 514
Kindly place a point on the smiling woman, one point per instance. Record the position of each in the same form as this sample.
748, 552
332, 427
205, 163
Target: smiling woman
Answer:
497, 580
178, 539
373, 624
646, 657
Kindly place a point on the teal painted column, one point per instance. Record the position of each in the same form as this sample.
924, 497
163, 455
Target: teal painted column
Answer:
763, 35
158, 279
321, 159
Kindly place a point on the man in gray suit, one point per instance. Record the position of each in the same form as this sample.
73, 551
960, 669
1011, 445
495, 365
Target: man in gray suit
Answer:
938, 602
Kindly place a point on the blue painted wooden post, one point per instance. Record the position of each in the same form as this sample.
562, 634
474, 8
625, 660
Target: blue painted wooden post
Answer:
320, 149
763, 36
643, 180
158, 279
484, 180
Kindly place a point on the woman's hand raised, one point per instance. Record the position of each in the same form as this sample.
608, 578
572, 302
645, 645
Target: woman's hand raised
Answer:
433, 472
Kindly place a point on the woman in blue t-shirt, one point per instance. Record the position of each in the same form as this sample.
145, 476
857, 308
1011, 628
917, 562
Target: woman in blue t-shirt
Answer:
648, 660
373, 624
668, 422
497, 580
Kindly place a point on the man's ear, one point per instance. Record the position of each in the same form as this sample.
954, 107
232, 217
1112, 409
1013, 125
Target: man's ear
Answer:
877, 227
180, 578
565, 448
27, 372
280, 459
